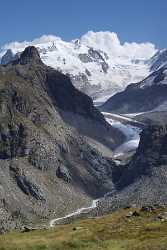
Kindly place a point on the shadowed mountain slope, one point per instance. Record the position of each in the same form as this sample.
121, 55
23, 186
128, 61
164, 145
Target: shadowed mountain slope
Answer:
47, 167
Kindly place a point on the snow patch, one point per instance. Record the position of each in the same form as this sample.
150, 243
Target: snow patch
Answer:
132, 134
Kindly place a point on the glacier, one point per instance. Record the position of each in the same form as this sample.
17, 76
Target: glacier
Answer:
97, 63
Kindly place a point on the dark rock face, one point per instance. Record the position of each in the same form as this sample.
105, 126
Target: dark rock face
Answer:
63, 172
73, 100
105, 67
85, 58
8, 57
136, 100
88, 72
95, 56
42, 156
12, 141
143, 181
30, 55
151, 153
29, 188
158, 60
153, 145
140, 97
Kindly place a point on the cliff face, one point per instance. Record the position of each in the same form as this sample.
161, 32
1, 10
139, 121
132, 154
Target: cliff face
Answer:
144, 180
47, 168
150, 155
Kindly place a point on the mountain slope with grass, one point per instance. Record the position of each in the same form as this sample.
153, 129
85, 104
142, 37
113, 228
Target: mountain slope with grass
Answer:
128, 229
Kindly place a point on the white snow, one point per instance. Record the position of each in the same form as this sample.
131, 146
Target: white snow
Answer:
130, 115
110, 43
132, 134
120, 116
126, 61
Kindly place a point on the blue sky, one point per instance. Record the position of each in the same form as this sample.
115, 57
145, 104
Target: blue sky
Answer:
132, 20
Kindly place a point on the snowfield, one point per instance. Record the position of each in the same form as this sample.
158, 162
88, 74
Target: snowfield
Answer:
96, 62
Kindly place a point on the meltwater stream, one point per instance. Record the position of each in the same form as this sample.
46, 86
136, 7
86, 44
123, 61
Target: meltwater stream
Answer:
77, 212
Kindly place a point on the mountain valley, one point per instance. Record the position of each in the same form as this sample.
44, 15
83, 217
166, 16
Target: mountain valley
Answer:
64, 158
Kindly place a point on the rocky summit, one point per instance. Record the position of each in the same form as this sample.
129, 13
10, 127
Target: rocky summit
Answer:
48, 166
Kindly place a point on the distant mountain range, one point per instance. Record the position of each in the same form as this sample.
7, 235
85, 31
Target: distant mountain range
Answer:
149, 94
97, 63
53, 140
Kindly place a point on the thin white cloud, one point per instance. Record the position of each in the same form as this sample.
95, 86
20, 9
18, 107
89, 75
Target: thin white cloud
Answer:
103, 40
139, 50
17, 46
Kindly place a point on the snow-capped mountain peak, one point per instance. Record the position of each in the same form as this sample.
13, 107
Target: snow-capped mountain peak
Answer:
97, 63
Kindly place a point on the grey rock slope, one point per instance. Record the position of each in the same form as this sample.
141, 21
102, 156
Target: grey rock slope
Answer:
47, 167
140, 97
144, 180
8, 57
159, 60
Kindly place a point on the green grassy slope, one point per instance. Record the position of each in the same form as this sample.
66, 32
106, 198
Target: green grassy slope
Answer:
114, 231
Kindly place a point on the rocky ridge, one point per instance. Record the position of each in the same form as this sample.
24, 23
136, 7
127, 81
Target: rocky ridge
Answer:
147, 95
48, 168
143, 181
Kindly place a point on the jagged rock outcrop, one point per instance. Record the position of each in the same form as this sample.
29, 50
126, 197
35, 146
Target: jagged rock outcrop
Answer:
29, 55
7, 57
63, 172
151, 153
144, 180
47, 165
158, 60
